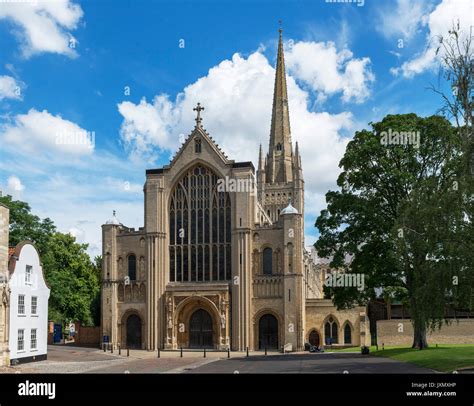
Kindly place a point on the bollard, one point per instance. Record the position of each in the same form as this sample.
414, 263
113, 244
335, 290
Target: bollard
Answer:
228, 352
111, 348
181, 352
383, 346
265, 350
158, 353
103, 345
377, 346
247, 351
120, 350
204, 353
128, 352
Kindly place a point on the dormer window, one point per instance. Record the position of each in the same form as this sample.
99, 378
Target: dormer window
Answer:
197, 145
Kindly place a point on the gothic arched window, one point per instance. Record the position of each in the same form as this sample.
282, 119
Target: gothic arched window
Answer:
200, 228
278, 148
267, 261
330, 332
132, 267
347, 334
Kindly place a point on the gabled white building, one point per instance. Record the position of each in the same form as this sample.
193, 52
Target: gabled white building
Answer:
29, 294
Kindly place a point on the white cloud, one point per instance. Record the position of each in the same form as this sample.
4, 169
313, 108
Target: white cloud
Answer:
43, 25
329, 71
438, 23
403, 21
41, 132
14, 187
147, 125
10, 88
237, 95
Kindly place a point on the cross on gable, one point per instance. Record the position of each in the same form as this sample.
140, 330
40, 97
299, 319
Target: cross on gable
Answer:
198, 108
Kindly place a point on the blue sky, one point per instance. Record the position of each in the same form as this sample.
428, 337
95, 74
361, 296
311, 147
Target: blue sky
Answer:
66, 68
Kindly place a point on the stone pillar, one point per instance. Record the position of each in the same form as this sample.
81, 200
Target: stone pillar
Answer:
156, 225
243, 217
293, 291
109, 322
4, 288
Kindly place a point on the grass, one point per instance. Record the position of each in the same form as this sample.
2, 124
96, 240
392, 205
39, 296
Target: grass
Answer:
444, 358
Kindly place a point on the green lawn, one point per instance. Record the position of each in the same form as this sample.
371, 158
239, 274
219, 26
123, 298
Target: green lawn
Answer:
444, 358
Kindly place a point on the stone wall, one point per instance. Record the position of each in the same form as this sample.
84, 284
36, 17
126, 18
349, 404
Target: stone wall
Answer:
87, 336
318, 312
400, 332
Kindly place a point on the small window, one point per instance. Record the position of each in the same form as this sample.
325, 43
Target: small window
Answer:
34, 305
197, 145
132, 267
21, 304
267, 261
21, 339
28, 272
33, 339
278, 147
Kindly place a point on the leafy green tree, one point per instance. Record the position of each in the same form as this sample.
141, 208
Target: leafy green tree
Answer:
26, 226
399, 219
73, 278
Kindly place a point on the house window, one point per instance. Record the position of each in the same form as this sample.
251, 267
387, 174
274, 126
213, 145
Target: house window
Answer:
34, 304
21, 339
267, 261
197, 145
28, 271
330, 332
21, 304
33, 339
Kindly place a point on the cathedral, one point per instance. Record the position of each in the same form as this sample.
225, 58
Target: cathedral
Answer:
221, 262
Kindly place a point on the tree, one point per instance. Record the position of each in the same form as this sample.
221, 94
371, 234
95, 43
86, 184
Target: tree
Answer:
26, 226
73, 278
391, 218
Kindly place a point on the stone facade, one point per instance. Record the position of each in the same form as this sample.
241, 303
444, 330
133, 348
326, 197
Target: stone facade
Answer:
220, 261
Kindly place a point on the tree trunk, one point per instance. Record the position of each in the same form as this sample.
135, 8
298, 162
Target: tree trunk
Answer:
419, 337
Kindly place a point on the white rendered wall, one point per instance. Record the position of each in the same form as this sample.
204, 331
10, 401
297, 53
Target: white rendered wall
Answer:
38, 288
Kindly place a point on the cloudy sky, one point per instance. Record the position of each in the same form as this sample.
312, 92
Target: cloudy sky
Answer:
92, 93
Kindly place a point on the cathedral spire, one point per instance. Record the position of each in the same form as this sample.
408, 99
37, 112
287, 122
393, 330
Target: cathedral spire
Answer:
280, 148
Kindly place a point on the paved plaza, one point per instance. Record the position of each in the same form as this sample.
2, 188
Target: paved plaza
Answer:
67, 359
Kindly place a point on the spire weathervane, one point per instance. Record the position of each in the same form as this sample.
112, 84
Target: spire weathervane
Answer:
198, 118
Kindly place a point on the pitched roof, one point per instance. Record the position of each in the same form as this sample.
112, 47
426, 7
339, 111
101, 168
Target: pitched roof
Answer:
199, 130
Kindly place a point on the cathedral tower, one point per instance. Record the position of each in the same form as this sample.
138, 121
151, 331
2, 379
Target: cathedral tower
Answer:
280, 175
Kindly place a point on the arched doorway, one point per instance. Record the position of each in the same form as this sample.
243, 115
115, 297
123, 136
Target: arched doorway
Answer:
314, 338
200, 330
268, 332
134, 331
